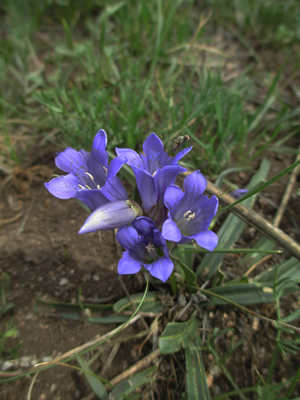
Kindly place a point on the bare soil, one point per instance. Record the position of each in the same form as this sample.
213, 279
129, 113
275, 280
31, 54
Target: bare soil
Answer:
46, 258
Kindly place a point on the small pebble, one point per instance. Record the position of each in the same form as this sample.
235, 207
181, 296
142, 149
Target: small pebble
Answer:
215, 371
96, 278
216, 390
255, 323
209, 380
53, 387
63, 282
25, 362
7, 365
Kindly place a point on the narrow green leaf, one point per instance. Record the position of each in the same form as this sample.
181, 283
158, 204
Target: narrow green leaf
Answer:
228, 171
196, 383
288, 269
177, 334
294, 315
192, 249
151, 301
96, 384
263, 244
182, 261
131, 384
268, 101
243, 293
111, 9
110, 319
72, 306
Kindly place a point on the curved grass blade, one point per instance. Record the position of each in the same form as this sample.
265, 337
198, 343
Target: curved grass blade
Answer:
228, 171
192, 249
263, 244
96, 384
288, 269
150, 303
243, 293
196, 383
126, 387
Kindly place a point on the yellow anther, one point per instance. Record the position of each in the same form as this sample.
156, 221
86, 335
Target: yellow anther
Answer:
150, 247
91, 176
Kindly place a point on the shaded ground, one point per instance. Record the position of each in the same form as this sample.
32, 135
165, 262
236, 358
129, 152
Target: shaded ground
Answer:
45, 257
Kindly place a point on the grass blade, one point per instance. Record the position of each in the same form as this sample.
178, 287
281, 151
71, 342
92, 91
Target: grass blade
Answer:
96, 385
196, 383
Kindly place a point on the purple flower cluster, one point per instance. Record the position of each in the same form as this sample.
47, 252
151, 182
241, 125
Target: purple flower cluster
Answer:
166, 214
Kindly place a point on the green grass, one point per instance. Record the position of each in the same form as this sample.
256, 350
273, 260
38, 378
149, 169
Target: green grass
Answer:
270, 21
125, 67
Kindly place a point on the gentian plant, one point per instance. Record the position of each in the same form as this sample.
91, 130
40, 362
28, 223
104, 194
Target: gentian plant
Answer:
165, 217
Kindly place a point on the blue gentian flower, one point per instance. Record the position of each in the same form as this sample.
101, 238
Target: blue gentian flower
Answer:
190, 213
146, 247
111, 216
237, 194
154, 171
90, 178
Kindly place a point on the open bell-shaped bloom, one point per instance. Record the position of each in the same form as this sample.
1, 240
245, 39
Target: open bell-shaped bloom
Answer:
111, 216
90, 178
154, 171
190, 213
146, 247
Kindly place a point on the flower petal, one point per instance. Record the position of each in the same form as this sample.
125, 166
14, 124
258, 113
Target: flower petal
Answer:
155, 157
161, 269
93, 198
172, 198
63, 187
152, 144
208, 240
99, 146
128, 265
114, 189
166, 177
170, 231
127, 237
146, 187
143, 225
73, 161
194, 184
98, 159
204, 213
114, 166
133, 159
180, 154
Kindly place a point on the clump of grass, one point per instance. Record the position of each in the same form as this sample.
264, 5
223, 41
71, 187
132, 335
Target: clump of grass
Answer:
271, 21
127, 67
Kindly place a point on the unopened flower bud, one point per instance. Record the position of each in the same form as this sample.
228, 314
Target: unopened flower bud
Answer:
111, 216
